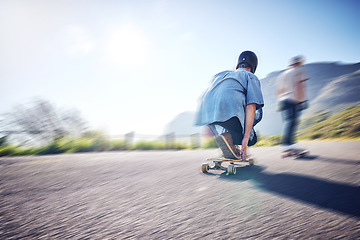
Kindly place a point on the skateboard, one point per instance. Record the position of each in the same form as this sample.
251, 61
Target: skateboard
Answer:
295, 153
230, 169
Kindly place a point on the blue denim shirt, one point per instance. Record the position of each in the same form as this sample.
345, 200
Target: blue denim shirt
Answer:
227, 97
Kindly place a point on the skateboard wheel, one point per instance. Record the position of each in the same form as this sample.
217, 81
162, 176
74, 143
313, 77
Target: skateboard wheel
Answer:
205, 167
232, 169
251, 161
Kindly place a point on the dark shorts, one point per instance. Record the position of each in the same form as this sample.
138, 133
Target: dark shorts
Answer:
233, 126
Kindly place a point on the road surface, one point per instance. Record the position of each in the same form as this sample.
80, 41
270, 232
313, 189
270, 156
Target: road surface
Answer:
164, 195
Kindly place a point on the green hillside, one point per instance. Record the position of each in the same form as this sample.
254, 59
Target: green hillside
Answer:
345, 124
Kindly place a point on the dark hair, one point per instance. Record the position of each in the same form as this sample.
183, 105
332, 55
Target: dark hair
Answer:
244, 65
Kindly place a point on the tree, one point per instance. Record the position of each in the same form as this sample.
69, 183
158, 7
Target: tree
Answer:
3, 141
40, 123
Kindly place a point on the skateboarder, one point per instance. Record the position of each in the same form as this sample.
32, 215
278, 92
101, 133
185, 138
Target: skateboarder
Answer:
234, 102
291, 95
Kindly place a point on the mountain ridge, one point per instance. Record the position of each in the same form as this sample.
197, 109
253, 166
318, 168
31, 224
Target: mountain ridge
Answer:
332, 87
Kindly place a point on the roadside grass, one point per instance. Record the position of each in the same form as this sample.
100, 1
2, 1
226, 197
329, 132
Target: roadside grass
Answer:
159, 145
342, 126
82, 145
262, 142
91, 145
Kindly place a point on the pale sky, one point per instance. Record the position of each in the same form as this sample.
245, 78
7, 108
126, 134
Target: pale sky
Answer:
134, 65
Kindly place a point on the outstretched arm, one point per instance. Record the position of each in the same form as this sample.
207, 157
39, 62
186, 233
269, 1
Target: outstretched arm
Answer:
249, 121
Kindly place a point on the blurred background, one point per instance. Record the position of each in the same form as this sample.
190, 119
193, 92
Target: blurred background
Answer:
125, 67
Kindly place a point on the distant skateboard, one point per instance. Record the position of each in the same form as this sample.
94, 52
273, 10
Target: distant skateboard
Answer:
295, 153
230, 169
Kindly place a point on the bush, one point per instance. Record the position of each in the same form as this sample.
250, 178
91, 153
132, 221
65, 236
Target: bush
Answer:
101, 145
8, 151
210, 143
149, 145
180, 146
3, 141
158, 145
268, 141
118, 145
354, 131
83, 145
52, 148
315, 136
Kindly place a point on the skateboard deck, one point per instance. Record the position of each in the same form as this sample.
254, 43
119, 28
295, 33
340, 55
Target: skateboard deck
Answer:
230, 169
295, 153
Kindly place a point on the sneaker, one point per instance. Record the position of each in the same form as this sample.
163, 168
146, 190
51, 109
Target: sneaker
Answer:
226, 145
296, 148
285, 148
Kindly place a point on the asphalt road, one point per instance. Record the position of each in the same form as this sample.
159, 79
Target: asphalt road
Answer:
164, 195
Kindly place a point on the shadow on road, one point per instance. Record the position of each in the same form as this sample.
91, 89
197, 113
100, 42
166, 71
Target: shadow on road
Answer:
325, 194
329, 160
307, 158
339, 161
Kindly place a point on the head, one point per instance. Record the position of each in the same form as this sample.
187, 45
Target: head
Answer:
247, 60
297, 61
